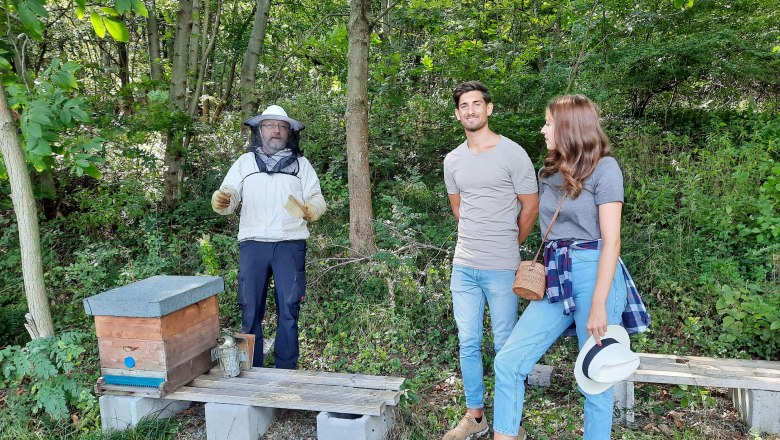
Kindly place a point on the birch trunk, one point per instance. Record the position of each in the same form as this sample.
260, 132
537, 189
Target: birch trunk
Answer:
40, 323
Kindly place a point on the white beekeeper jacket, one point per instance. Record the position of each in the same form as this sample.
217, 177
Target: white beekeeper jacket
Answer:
262, 197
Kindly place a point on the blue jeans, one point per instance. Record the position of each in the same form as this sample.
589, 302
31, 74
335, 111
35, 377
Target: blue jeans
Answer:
537, 329
470, 287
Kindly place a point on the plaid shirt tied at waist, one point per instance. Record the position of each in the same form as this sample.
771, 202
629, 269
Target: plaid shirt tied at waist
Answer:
557, 261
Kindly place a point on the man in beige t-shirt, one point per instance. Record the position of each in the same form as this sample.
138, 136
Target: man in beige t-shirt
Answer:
492, 188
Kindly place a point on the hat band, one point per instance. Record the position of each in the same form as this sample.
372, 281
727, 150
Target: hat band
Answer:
593, 352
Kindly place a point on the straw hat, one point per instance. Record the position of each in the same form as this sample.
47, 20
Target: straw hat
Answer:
599, 367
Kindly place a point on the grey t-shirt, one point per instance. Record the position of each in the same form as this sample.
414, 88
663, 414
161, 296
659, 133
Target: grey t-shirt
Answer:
579, 218
488, 185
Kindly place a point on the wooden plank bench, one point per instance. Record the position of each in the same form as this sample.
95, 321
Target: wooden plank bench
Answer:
355, 406
754, 384
296, 389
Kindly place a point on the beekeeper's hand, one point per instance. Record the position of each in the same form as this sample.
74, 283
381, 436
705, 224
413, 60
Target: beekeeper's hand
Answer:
220, 199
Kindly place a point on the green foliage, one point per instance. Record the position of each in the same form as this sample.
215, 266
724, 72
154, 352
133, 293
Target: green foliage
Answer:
48, 375
51, 118
30, 13
764, 223
689, 396
154, 112
4, 64
751, 318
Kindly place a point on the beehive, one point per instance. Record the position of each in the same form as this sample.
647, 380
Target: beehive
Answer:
156, 334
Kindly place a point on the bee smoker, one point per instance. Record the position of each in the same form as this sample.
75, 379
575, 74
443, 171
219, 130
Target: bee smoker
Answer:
229, 355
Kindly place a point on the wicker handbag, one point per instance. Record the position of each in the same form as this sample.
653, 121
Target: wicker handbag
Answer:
530, 278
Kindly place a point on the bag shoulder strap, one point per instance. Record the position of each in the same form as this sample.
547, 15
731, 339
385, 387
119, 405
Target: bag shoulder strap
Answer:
549, 227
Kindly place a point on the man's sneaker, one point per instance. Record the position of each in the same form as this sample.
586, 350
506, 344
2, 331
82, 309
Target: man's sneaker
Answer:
467, 429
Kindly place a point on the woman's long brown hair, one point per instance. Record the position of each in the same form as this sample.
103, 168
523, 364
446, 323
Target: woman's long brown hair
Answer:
580, 142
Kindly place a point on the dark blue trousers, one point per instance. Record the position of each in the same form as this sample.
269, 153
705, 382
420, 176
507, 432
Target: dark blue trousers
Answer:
286, 261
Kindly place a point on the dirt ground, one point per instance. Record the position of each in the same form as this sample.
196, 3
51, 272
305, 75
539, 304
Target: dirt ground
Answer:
718, 422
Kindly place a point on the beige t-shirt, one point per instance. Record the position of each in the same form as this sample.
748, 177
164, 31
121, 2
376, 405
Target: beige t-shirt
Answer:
488, 185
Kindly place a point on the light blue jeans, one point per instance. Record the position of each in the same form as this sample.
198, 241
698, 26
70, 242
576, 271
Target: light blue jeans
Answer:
470, 288
537, 329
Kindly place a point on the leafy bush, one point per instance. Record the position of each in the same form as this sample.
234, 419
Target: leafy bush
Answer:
49, 375
751, 319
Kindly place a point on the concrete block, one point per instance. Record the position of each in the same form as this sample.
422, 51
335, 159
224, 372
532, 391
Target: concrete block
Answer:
624, 402
226, 421
336, 426
759, 408
154, 297
540, 375
122, 412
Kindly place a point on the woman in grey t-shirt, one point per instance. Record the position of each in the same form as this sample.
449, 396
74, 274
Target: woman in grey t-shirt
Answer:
588, 286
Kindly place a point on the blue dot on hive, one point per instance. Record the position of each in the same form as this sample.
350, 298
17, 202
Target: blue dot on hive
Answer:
129, 362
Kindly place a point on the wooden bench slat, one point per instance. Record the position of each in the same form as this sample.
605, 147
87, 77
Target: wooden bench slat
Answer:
266, 386
746, 363
708, 372
291, 400
323, 378
711, 370
703, 381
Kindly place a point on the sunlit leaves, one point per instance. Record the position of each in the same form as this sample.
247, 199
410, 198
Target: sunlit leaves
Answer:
81, 7
427, 61
108, 20
683, 3
97, 24
117, 29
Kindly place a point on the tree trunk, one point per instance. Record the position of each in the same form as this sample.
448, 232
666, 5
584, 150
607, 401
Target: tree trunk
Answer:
27, 221
123, 64
181, 45
361, 215
386, 5
208, 48
174, 149
246, 84
153, 35
195, 39
228, 90
48, 193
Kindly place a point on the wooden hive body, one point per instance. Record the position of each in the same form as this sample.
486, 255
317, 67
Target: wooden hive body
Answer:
153, 355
